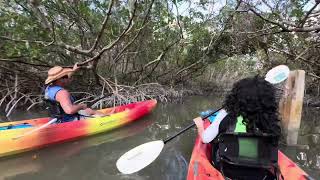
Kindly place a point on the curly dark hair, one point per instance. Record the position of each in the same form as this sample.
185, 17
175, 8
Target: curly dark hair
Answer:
254, 99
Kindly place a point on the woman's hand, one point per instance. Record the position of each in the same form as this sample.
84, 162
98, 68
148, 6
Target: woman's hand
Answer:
75, 67
89, 111
100, 114
94, 113
198, 121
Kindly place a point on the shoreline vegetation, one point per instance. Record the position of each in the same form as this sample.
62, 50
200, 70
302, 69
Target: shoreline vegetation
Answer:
217, 78
152, 49
112, 94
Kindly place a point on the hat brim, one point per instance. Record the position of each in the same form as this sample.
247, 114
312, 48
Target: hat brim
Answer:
64, 72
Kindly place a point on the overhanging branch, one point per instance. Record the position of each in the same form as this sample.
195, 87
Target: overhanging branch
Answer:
108, 47
104, 24
137, 35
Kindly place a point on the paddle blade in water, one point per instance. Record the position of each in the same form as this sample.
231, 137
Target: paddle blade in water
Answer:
277, 74
139, 157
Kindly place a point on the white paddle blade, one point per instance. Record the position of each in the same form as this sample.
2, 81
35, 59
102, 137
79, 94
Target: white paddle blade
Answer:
277, 74
139, 157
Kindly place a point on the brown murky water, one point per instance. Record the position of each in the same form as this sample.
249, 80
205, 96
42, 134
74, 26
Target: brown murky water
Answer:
94, 158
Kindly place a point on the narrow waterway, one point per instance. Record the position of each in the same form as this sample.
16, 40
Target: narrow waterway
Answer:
94, 158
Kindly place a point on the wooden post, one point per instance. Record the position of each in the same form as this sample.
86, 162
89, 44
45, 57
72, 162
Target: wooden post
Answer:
290, 107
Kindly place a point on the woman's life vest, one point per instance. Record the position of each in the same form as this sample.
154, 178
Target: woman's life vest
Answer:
54, 107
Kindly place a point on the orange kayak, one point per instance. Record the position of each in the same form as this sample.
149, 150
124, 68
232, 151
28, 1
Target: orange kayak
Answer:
200, 167
61, 132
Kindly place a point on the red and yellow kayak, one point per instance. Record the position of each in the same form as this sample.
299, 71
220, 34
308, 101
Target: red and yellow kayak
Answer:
200, 167
61, 132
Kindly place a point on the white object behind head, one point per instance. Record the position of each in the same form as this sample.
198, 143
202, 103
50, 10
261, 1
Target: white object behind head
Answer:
277, 74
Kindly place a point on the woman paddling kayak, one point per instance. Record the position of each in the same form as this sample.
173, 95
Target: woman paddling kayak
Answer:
250, 109
59, 100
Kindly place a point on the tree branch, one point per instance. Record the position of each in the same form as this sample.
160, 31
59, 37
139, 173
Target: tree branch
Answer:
214, 41
139, 31
157, 61
21, 62
292, 27
42, 18
46, 44
303, 21
104, 24
188, 67
296, 56
177, 18
304, 29
268, 20
126, 30
313, 75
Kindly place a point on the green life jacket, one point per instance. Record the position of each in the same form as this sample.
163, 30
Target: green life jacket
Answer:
245, 145
240, 127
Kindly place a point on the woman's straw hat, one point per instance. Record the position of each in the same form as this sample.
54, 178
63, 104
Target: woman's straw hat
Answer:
58, 72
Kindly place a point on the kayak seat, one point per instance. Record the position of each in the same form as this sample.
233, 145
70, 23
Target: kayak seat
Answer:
248, 155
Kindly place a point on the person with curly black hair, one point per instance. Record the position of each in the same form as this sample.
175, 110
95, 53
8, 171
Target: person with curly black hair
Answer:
251, 102
250, 107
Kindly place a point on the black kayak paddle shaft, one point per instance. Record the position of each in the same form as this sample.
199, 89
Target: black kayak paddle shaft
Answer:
188, 127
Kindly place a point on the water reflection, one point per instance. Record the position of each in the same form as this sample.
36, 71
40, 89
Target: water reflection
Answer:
175, 165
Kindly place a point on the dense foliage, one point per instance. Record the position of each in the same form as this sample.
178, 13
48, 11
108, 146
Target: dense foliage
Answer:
141, 41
